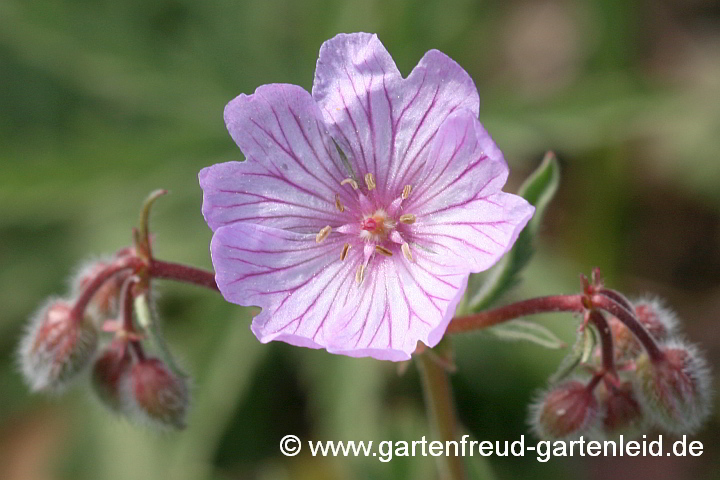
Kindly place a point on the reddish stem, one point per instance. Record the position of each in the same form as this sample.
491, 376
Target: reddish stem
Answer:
183, 273
606, 340
123, 263
488, 318
632, 323
595, 380
617, 297
126, 313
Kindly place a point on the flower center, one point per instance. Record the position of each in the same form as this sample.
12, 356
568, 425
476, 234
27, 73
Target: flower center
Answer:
376, 227
375, 233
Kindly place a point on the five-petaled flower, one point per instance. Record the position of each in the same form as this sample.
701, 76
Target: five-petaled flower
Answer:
362, 208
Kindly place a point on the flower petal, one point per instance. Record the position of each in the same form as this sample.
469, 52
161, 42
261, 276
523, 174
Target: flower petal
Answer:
401, 303
436, 88
462, 213
291, 173
298, 283
383, 122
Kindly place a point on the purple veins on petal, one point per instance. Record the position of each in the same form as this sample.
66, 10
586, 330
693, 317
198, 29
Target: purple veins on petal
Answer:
361, 209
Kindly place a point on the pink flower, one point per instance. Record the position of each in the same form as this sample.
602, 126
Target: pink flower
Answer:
361, 209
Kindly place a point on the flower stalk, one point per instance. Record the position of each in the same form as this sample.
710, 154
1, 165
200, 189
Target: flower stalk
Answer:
123, 263
532, 306
441, 414
564, 303
182, 273
631, 322
126, 314
606, 340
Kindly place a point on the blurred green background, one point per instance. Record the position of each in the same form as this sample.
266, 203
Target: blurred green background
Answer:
103, 101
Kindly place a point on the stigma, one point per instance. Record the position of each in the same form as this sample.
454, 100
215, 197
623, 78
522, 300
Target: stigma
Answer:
377, 226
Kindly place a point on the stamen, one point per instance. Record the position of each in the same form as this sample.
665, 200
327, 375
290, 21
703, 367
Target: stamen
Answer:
360, 274
370, 181
323, 234
408, 218
383, 251
406, 191
344, 252
338, 204
352, 183
406, 251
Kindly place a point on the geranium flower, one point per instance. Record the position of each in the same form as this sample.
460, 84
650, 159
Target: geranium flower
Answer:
361, 209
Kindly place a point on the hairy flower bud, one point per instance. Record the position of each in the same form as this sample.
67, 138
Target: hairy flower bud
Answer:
659, 321
674, 391
565, 411
108, 372
56, 347
623, 414
158, 395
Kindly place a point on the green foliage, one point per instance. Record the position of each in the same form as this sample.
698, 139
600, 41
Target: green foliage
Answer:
538, 189
583, 348
527, 331
150, 322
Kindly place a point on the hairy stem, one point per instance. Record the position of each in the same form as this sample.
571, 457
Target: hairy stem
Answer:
182, 273
123, 263
594, 381
632, 323
441, 413
606, 341
488, 318
126, 314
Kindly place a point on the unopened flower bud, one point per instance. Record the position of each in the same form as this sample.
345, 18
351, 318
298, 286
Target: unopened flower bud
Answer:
108, 373
622, 412
566, 411
659, 321
674, 391
159, 395
56, 347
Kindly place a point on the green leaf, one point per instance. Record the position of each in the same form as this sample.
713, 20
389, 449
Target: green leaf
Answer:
528, 331
582, 350
148, 320
538, 189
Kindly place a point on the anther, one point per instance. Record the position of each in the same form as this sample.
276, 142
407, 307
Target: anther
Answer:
338, 204
370, 181
406, 251
406, 191
407, 218
383, 251
344, 252
323, 234
360, 274
350, 181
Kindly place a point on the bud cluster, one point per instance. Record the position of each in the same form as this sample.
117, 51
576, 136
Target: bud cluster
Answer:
654, 378
142, 389
64, 338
